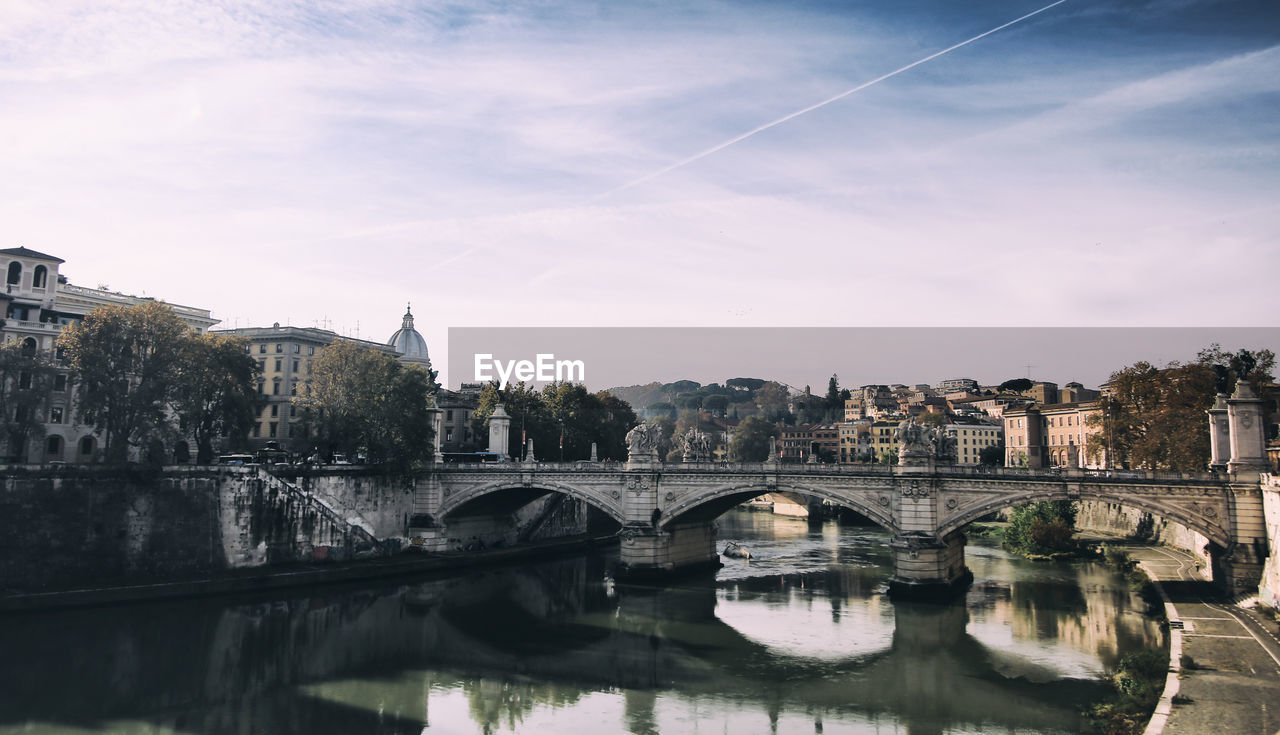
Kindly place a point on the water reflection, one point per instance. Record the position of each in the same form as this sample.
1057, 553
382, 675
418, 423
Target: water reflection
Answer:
795, 640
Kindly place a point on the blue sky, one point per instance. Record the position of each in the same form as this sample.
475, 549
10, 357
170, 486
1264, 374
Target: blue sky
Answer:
1098, 164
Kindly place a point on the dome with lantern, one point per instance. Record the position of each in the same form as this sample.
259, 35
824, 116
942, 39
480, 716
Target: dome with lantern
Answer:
409, 343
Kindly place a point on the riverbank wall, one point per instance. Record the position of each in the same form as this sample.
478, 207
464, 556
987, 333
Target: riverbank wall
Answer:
1269, 587
94, 527
1113, 518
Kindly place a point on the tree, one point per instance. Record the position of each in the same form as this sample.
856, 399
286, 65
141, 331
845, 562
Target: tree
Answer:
26, 377
366, 401
562, 415
751, 440
772, 400
749, 385
835, 404
124, 360
1155, 417
717, 405
1016, 385
1041, 528
217, 393
991, 456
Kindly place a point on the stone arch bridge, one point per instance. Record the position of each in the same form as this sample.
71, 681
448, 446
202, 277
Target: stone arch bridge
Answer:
666, 511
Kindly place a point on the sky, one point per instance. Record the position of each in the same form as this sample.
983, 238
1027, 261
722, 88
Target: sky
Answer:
525, 163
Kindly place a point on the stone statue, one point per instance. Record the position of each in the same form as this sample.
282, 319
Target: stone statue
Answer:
1221, 377
642, 441
697, 446
1247, 363
944, 445
913, 444
865, 451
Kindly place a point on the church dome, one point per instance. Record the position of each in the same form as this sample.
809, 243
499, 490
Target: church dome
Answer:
411, 346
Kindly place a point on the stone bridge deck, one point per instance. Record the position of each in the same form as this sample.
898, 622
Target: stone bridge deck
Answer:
665, 510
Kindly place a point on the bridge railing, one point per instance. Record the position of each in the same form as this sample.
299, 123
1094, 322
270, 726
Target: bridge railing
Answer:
847, 469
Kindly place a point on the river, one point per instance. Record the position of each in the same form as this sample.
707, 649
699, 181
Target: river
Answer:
798, 639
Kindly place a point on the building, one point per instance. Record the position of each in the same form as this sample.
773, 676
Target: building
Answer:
798, 443
971, 439
1043, 392
38, 302
958, 385
1055, 435
284, 355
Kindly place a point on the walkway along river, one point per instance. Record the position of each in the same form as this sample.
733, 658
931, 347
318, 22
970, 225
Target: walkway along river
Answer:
800, 638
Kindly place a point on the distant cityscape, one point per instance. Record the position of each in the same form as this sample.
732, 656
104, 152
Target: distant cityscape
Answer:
1020, 422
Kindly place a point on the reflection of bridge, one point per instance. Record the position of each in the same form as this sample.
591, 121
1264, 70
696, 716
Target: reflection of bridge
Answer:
666, 510
289, 664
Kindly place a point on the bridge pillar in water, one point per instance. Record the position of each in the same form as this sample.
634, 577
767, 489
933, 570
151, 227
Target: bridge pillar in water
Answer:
650, 549
924, 564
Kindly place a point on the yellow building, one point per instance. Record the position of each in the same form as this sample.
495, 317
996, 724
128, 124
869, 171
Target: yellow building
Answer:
971, 439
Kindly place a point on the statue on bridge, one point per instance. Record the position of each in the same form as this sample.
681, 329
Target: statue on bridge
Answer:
865, 452
642, 442
914, 446
697, 446
944, 446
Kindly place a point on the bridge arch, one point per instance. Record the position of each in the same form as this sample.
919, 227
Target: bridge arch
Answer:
1204, 523
716, 500
524, 493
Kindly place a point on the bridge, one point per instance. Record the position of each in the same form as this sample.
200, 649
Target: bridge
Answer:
666, 511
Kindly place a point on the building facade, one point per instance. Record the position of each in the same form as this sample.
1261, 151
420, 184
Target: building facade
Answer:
1055, 435
38, 303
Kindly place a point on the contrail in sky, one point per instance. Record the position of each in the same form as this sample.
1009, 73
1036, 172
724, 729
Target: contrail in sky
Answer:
811, 108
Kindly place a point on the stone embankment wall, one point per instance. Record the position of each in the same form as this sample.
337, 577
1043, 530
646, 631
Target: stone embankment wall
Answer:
79, 527
1269, 588
1095, 515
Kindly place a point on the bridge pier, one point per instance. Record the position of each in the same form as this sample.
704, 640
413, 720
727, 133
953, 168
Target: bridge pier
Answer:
925, 567
646, 552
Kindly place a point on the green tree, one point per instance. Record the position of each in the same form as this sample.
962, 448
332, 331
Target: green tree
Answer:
717, 405
125, 360
835, 404
26, 378
1041, 528
1016, 385
991, 456
1155, 417
772, 399
751, 440
217, 391
362, 400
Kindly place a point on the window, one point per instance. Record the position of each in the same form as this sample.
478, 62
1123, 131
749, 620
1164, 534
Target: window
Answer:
293, 389
279, 347
311, 350
448, 434
54, 446
262, 349
60, 383
86, 446
295, 366
55, 415
257, 428
273, 427
296, 350
29, 347
39, 277
275, 410
448, 415
279, 364
275, 388
262, 366
15, 273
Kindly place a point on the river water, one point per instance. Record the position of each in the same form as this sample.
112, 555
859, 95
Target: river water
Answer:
799, 639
